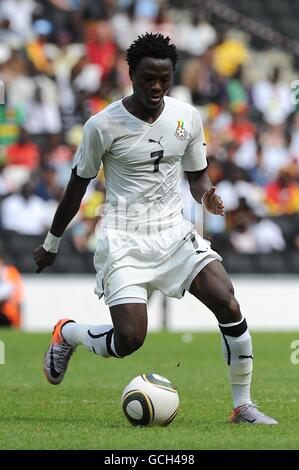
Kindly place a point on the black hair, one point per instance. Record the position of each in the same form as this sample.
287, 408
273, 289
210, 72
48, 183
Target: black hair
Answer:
151, 45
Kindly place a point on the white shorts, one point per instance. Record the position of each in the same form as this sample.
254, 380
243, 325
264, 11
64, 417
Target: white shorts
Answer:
134, 264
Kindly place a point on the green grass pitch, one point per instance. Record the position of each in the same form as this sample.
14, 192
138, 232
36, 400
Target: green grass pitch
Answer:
84, 411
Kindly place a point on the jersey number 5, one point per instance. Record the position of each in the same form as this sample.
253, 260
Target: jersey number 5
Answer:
158, 156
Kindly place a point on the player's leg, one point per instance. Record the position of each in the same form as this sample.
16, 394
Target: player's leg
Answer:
129, 323
119, 339
122, 338
213, 287
130, 327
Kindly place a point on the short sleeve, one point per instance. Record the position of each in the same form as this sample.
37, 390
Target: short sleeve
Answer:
195, 156
87, 159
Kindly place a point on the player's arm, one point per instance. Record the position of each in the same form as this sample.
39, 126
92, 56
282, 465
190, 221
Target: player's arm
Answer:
204, 192
86, 164
195, 166
68, 207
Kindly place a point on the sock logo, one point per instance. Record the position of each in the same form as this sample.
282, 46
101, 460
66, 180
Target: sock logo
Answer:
108, 335
242, 356
96, 336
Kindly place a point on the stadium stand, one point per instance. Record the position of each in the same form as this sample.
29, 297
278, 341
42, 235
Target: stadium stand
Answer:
67, 62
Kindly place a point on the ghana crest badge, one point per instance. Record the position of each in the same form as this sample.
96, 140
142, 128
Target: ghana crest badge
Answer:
180, 132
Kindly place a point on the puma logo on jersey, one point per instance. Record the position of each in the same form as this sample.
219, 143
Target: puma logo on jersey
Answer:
152, 141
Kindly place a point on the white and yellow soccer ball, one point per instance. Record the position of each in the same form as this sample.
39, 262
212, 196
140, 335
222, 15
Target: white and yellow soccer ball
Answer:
150, 399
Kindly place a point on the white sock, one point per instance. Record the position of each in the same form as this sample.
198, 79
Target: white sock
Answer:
238, 355
97, 338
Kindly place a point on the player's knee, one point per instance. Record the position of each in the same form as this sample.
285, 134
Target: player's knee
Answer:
126, 344
230, 312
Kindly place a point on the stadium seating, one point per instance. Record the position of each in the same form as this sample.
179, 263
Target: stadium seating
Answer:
18, 249
279, 15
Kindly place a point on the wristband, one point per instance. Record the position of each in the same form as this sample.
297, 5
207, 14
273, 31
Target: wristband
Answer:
51, 243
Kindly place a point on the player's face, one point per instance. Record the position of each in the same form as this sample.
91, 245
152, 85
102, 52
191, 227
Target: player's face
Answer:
151, 81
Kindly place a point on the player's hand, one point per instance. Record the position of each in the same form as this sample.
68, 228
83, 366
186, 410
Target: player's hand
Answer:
213, 203
43, 258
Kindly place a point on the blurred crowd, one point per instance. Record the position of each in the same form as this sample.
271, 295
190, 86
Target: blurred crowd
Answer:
11, 294
62, 61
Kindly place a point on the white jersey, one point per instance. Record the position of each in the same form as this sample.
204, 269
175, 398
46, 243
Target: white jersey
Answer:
142, 162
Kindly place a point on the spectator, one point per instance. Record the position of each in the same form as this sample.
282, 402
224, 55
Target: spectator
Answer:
25, 213
230, 53
253, 234
242, 237
23, 152
196, 36
7, 36
42, 117
19, 13
235, 187
100, 46
47, 187
257, 173
11, 295
163, 24
273, 99
11, 118
241, 128
64, 60
268, 236
36, 49
282, 196
59, 156
237, 95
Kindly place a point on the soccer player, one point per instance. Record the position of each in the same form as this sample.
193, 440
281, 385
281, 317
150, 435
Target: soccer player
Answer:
145, 244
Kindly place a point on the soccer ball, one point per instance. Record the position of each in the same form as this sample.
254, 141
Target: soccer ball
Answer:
150, 399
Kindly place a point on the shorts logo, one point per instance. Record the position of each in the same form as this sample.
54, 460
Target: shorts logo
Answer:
180, 132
